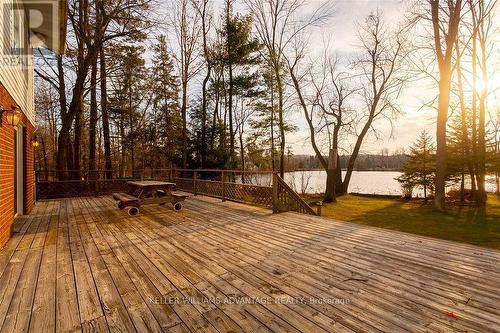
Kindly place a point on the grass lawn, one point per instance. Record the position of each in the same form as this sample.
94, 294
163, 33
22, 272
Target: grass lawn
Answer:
478, 226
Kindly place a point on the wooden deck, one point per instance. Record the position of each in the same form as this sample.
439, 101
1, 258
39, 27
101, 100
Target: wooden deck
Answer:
221, 266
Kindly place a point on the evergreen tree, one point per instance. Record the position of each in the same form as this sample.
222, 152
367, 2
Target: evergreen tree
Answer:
126, 100
240, 56
265, 137
165, 132
217, 157
458, 159
419, 167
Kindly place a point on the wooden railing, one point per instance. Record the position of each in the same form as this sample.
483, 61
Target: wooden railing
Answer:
225, 190
53, 189
286, 199
234, 185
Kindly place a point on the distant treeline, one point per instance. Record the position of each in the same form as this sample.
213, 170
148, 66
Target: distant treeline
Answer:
364, 162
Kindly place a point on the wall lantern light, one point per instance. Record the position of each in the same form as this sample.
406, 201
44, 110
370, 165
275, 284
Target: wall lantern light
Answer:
13, 116
34, 142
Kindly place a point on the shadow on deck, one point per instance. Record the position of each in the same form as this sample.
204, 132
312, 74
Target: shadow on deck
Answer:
222, 266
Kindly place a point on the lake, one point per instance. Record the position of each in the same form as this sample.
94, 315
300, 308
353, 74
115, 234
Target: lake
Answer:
367, 182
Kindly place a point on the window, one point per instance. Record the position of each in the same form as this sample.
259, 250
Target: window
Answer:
16, 31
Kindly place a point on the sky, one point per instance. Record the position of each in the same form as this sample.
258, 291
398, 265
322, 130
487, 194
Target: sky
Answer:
341, 31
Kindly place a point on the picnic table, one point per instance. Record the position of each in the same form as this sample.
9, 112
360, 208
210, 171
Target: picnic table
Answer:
148, 192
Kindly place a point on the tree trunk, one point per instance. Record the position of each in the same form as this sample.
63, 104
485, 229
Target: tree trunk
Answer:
77, 140
74, 109
93, 122
425, 191
425, 174
105, 116
474, 101
464, 125
481, 190
339, 186
45, 162
66, 123
204, 88
230, 113
441, 153
242, 153
497, 152
330, 193
214, 119
204, 118
497, 181
444, 60
462, 186
84, 61
273, 162
63, 143
357, 147
132, 131
281, 122
332, 164
122, 147
184, 122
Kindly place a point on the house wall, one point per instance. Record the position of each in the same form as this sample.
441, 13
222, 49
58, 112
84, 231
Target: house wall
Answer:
7, 169
6, 173
16, 71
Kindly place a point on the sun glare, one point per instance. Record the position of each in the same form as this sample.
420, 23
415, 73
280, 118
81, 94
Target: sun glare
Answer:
481, 85
492, 84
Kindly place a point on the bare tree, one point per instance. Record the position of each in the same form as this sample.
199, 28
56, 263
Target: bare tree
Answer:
277, 23
47, 106
202, 7
464, 117
381, 74
482, 26
241, 116
90, 27
445, 23
186, 23
328, 109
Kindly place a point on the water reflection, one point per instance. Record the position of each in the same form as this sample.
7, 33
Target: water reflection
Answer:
368, 182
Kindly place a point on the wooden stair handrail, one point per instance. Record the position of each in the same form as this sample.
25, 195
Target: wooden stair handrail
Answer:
277, 206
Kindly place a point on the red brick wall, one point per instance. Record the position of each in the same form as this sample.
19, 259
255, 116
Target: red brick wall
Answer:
7, 169
6, 174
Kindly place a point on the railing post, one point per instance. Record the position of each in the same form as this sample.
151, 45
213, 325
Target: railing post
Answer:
275, 193
223, 180
195, 175
171, 174
318, 209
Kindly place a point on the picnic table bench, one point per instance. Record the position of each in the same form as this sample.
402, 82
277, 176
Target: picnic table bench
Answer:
149, 192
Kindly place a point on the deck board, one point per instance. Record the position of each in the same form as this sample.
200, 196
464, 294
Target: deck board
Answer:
80, 264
